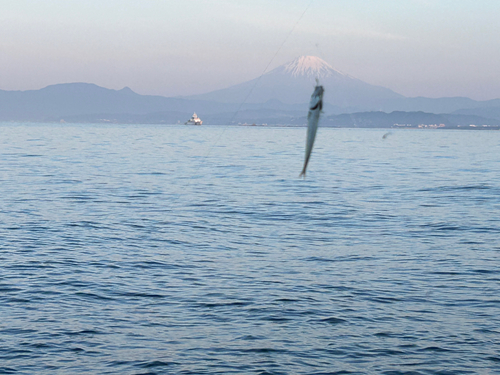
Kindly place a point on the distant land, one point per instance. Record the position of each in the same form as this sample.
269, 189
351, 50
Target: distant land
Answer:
279, 97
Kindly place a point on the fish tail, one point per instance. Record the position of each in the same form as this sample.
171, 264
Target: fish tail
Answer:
303, 173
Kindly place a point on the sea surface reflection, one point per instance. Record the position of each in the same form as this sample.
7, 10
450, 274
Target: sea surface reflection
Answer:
198, 250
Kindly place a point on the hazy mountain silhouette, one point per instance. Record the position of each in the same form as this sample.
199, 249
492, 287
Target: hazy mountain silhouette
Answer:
491, 111
278, 97
80, 99
294, 82
88, 102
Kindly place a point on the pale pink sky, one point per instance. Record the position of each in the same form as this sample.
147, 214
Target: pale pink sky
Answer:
415, 47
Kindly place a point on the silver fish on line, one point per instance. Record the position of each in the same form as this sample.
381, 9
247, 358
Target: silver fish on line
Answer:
315, 107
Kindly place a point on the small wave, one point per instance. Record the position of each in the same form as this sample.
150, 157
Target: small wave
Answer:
93, 296
140, 294
387, 352
384, 299
152, 173
482, 271
333, 320
276, 319
384, 334
459, 187
319, 259
287, 300
38, 345
76, 350
342, 372
487, 331
77, 197
84, 332
7, 370
249, 338
17, 331
148, 264
9, 289
264, 350
153, 364
446, 273
442, 227
436, 349
224, 304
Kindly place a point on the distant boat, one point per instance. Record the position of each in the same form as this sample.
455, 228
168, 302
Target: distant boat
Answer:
194, 120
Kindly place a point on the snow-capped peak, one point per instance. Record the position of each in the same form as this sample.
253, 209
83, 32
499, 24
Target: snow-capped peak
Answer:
310, 66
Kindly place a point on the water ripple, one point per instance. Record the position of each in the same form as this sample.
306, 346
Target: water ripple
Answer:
132, 250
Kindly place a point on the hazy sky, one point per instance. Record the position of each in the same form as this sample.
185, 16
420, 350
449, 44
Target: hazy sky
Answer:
415, 47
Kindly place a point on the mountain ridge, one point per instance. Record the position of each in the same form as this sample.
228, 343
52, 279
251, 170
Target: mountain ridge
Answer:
293, 82
281, 93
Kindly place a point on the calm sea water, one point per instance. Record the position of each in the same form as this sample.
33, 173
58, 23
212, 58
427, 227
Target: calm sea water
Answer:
198, 250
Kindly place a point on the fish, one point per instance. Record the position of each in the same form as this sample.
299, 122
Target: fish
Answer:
315, 107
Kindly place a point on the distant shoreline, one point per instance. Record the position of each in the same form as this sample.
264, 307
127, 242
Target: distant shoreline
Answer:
396, 127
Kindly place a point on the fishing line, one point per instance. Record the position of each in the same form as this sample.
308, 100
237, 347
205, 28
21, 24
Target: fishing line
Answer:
257, 80
320, 52
190, 181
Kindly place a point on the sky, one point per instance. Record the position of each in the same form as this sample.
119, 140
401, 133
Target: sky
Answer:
432, 48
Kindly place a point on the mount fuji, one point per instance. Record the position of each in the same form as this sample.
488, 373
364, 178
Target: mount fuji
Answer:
293, 83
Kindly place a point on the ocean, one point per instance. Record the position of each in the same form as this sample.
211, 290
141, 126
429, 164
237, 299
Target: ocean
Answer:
148, 249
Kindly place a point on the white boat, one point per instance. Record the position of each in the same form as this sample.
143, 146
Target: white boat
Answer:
194, 120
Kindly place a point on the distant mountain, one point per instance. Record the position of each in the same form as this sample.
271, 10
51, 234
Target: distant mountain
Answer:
491, 112
277, 97
293, 83
433, 105
71, 100
84, 102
